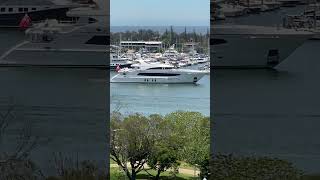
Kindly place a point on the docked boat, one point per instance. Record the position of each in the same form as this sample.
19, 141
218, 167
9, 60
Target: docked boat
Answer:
13, 11
183, 63
118, 61
205, 68
272, 4
171, 53
219, 15
155, 73
216, 12
257, 6
201, 59
243, 46
232, 10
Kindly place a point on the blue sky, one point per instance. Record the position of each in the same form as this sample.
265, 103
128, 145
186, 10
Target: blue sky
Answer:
160, 12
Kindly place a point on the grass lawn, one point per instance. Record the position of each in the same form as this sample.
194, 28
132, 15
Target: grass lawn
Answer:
112, 161
185, 165
116, 174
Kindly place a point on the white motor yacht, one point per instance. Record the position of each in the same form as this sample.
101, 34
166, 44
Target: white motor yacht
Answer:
73, 46
155, 73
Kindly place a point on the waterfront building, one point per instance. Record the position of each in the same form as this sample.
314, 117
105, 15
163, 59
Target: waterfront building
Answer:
148, 45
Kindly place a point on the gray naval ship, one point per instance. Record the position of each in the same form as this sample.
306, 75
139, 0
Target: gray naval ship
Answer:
247, 46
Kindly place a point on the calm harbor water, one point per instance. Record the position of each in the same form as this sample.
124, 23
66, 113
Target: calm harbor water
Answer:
160, 98
65, 106
271, 112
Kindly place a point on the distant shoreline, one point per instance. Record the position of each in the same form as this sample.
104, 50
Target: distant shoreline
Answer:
161, 29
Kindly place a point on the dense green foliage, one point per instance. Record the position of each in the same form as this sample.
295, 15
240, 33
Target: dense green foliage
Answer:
230, 167
85, 170
159, 141
193, 130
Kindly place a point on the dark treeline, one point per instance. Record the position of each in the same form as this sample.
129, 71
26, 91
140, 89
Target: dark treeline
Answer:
169, 37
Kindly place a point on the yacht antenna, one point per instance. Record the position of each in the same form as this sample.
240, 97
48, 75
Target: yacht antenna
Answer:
120, 45
177, 42
315, 18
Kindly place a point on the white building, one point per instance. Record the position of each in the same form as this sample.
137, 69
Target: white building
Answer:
149, 45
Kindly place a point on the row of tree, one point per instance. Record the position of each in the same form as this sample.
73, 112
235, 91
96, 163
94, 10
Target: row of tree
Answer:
168, 37
159, 142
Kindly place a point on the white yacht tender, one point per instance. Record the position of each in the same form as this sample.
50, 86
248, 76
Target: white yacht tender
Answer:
116, 60
154, 73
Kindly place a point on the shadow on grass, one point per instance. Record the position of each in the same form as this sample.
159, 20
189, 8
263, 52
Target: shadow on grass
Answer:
115, 174
145, 176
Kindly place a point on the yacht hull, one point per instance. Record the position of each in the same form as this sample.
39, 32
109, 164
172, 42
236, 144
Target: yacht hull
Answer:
183, 79
56, 58
253, 51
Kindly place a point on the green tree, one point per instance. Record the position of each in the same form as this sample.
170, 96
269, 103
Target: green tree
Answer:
131, 143
185, 34
193, 130
168, 38
165, 151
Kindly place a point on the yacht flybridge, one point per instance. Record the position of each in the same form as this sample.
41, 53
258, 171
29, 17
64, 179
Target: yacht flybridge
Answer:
54, 44
155, 73
13, 11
